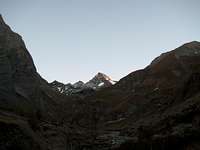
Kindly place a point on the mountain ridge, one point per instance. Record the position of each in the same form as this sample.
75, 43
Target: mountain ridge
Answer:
99, 81
157, 107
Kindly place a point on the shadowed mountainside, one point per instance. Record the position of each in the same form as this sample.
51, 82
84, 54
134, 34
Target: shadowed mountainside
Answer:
156, 108
26, 100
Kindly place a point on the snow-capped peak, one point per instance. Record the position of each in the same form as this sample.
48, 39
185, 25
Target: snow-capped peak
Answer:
102, 76
100, 80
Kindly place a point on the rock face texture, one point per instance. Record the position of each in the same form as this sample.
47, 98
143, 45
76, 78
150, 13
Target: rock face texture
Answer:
20, 84
11, 45
26, 99
99, 81
156, 108
160, 104
17, 68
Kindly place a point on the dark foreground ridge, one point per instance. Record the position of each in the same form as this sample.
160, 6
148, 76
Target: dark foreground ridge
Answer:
156, 108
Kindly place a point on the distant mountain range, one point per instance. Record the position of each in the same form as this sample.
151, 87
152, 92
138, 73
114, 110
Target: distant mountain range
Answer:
99, 81
155, 108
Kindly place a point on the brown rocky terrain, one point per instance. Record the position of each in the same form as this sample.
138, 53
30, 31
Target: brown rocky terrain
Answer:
158, 107
155, 108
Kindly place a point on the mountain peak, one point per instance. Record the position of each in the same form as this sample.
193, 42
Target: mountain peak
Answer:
101, 76
100, 80
188, 49
192, 43
3, 25
1, 19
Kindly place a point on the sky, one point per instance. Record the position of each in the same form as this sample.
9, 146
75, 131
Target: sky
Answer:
72, 40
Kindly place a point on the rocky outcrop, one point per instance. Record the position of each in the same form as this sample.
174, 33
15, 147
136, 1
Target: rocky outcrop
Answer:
100, 81
14, 56
21, 87
17, 68
26, 100
166, 69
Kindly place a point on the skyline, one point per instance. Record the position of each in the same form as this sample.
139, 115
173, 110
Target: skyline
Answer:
80, 38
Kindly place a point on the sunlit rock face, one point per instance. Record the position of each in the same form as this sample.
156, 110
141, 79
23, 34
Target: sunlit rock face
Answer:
100, 80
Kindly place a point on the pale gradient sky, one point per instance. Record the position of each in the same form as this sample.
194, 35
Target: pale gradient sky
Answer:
72, 40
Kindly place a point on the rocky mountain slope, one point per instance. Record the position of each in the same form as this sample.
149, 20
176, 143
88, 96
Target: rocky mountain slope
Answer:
155, 108
158, 107
26, 100
99, 81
